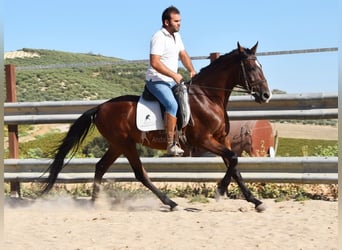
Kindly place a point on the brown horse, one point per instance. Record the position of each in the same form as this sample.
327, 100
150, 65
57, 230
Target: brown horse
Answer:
209, 93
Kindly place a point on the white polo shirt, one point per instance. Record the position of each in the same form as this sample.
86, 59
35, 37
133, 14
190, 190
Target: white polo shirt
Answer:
168, 48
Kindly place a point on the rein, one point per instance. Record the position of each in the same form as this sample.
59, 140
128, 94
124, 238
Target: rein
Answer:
240, 89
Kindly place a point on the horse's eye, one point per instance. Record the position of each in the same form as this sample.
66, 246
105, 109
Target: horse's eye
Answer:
250, 68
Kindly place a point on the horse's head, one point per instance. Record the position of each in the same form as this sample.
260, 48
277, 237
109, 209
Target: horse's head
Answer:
252, 77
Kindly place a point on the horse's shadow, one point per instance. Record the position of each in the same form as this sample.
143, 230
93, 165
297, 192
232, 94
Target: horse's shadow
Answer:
166, 209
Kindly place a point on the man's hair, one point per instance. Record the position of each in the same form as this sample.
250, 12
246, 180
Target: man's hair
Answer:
167, 13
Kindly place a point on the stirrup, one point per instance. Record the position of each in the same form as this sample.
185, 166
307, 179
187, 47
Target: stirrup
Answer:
174, 150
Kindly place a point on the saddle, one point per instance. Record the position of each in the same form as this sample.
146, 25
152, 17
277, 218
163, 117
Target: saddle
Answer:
151, 111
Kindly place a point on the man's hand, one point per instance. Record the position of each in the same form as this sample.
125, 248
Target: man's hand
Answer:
178, 78
192, 73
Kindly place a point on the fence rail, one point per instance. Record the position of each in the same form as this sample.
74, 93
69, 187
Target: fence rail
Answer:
194, 169
282, 106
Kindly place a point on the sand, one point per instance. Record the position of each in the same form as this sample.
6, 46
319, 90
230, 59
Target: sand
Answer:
291, 130
66, 223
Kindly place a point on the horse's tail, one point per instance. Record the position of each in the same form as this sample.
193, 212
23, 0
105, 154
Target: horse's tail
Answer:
71, 142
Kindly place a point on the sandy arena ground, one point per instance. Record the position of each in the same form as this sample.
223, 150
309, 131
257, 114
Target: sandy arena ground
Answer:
289, 130
64, 223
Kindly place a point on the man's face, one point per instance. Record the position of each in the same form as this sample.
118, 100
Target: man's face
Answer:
173, 25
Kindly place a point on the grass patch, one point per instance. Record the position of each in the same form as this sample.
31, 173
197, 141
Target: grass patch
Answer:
194, 192
303, 147
198, 199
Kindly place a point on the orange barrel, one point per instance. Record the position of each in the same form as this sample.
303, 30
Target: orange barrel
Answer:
248, 138
252, 138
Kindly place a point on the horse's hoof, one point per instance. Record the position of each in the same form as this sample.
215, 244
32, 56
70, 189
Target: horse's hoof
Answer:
172, 205
176, 208
218, 194
260, 208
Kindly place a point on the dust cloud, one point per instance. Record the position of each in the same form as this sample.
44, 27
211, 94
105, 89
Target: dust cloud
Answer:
117, 201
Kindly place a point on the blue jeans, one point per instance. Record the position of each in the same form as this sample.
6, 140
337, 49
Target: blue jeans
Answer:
163, 92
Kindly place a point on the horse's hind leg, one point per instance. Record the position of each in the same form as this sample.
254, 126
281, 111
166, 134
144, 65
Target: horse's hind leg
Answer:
141, 175
101, 168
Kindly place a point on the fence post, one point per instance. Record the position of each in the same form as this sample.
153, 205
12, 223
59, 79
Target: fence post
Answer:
13, 142
213, 56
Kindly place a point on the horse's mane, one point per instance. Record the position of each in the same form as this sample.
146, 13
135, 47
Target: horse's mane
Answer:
227, 56
219, 61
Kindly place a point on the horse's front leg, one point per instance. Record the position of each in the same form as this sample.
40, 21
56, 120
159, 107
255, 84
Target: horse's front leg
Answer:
222, 185
231, 160
232, 171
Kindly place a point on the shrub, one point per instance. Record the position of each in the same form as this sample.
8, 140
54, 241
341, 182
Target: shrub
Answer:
326, 151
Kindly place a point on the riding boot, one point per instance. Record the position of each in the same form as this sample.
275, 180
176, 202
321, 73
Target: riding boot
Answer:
170, 124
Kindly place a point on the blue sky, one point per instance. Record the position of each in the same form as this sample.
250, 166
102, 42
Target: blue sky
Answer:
123, 29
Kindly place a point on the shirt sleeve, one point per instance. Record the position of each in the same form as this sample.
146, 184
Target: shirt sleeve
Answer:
157, 45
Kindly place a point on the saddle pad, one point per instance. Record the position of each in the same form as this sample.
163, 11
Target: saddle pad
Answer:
149, 116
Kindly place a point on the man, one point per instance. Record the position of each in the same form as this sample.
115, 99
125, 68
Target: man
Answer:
166, 48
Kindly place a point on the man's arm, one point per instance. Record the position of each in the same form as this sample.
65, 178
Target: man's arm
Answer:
186, 61
162, 69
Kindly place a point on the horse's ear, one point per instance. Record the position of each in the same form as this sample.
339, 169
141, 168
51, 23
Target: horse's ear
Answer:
240, 48
254, 49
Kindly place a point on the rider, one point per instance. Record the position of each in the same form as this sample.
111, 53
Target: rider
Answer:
166, 48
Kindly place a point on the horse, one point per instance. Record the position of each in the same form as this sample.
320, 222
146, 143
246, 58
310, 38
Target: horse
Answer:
209, 93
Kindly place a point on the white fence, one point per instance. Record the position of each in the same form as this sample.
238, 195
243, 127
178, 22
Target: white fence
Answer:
285, 106
193, 169
279, 169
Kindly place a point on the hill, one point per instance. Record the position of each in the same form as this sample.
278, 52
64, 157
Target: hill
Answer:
74, 76
49, 75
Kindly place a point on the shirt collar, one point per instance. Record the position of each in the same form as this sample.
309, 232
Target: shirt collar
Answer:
165, 32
